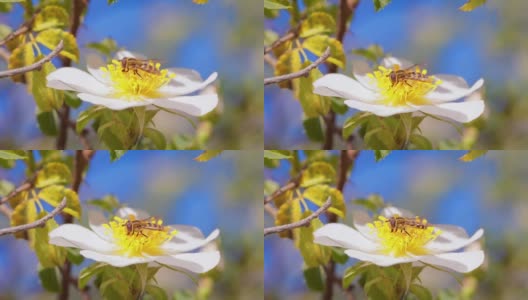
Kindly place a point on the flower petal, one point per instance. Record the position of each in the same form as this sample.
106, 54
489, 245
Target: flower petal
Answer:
389, 211
451, 241
390, 61
96, 219
186, 240
379, 109
195, 262
185, 84
73, 235
189, 74
115, 260
125, 53
361, 219
125, 212
462, 262
378, 259
340, 235
339, 85
72, 79
193, 105
97, 73
112, 103
452, 89
459, 111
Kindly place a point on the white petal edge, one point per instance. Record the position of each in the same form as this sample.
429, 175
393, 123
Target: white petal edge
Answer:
76, 236
452, 92
340, 235
459, 111
182, 85
378, 109
125, 212
125, 53
393, 210
195, 262
72, 79
454, 243
198, 105
189, 74
462, 262
378, 259
390, 61
96, 219
339, 85
115, 260
112, 103
184, 241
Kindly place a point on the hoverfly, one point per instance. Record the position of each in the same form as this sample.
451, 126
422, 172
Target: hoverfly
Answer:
137, 226
405, 75
398, 223
134, 64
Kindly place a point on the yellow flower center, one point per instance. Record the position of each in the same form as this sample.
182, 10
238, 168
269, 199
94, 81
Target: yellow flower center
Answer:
400, 87
139, 237
135, 82
402, 236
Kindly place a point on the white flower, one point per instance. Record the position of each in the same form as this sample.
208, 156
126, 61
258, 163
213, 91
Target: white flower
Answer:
375, 241
117, 89
376, 93
112, 243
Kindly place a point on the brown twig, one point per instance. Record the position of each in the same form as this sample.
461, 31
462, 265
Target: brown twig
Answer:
28, 184
25, 27
294, 183
290, 35
34, 66
303, 222
346, 8
38, 223
303, 72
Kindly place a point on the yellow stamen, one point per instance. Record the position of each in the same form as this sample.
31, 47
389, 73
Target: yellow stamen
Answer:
138, 243
136, 85
403, 92
403, 242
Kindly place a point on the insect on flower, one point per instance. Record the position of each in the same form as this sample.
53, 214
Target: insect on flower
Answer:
145, 65
412, 73
138, 226
401, 224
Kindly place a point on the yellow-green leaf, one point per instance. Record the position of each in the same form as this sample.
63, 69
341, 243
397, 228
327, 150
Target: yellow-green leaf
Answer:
313, 254
18, 198
313, 105
472, 155
317, 173
288, 213
51, 38
200, 1
287, 63
317, 23
53, 173
55, 193
21, 56
48, 255
47, 99
24, 213
318, 194
207, 155
51, 16
471, 5
317, 44
13, 154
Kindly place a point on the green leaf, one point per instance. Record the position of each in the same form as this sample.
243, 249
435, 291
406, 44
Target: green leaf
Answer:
24, 213
288, 213
156, 292
471, 5
87, 273
47, 99
421, 292
274, 4
317, 173
110, 2
313, 105
107, 203
107, 46
49, 279
420, 142
472, 155
10, 1
314, 278
318, 194
287, 63
46, 123
380, 4
54, 194
74, 256
51, 16
372, 203
352, 123
351, 273
4, 31
277, 154
317, 45
372, 53
53, 173
85, 116
49, 256
183, 295
116, 154
51, 38
13, 154
156, 137
339, 256
313, 129
381, 154
208, 155
21, 56
317, 23
313, 254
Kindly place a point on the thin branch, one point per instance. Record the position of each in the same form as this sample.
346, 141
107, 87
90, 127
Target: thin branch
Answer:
289, 186
25, 27
292, 33
303, 72
271, 210
38, 223
34, 66
6, 211
303, 222
268, 59
24, 187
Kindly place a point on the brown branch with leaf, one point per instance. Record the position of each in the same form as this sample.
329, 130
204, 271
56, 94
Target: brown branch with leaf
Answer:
301, 73
35, 66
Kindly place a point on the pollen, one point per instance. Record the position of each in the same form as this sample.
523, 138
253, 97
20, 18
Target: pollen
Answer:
405, 240
136, 84
407, 86
139, 241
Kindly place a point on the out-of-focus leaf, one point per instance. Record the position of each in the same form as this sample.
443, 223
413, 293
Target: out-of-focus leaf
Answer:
288, 213
352, 123
74, 256
85, 116
381, 154
21, 56
372, 203
207, 155
24, 213
47, 99
116, 154
380, 4
318, 194
317, 23
287, 63
421, 292
87, 273
317, 44
49, 256
13, 154
313, 254
46, 123
471, 5
277, 154
372, 53
53, 173
49, 279
156, 137
275, 4
156, 292
107, 46
339, 256
317, 173
313, 129
54, 194
51, 16
351, 273
51, 38
419, 141
313, 105
107, 203
200, 1
313, 278
472, 155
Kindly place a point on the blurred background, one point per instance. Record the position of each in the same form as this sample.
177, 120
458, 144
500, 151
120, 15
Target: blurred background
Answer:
221, 193
221, 36
487, 193
491, 42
